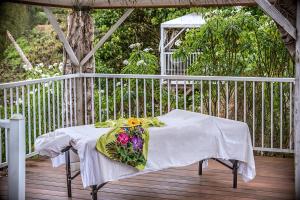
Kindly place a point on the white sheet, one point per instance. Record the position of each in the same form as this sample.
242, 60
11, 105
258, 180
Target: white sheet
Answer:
188, 137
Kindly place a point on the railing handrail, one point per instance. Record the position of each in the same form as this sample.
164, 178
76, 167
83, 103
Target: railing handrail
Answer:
140, 76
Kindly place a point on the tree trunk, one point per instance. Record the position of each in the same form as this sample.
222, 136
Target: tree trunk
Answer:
80, 36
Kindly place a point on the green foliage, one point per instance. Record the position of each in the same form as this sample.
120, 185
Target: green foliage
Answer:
237, 42
140, 61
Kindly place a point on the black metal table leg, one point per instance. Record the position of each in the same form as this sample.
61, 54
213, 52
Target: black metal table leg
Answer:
94, 192
200, 167
235, 173
68, 173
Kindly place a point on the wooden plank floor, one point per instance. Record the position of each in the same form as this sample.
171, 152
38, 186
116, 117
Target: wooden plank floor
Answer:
274, 180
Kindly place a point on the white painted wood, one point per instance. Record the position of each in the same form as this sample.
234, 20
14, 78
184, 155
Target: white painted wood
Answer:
268, 8
19, 50
61, 36
16, 158
297, 107
106, 36
172, 39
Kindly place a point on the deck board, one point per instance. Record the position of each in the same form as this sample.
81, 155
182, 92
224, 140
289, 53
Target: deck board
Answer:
274, 180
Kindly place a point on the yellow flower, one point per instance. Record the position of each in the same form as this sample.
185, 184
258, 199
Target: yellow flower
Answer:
134, 122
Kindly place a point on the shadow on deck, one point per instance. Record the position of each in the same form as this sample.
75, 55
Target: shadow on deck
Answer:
274, 180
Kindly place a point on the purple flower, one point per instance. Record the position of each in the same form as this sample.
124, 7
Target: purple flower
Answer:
137, 143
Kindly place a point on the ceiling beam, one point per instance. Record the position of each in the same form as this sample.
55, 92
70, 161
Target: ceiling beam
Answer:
139, 3
106, 36
61, 36
269, 9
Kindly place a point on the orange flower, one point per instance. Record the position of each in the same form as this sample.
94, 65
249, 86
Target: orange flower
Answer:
134, 122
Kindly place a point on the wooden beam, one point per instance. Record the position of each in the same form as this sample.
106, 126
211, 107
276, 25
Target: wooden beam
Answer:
106, 36
61, 36
297, 106
139, 3
19, 50
269, 9
172, 40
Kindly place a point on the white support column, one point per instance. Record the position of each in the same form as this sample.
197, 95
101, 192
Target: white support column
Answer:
16, 158
297, 106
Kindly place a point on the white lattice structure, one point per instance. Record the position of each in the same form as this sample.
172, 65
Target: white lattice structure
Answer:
170, 34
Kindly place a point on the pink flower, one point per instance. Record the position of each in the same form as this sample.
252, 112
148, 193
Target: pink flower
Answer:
123, 138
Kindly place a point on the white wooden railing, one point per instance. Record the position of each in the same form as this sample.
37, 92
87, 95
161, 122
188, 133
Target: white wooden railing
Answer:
265, 104
177, 66
16, 156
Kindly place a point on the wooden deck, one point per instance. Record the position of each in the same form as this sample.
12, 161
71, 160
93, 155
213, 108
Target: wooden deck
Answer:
274, 180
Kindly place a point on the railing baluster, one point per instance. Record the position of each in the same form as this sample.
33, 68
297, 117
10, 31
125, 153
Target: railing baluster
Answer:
28, 116
227, 100
92, 101
71, 100
169, 108
11, 101
145, 99
291, 116
75, 101
184, 94
271, 114
235, 100
39, 109
114, 96
253, 110
57, 100
176, 94
280, 115
66, 103
209, 96
85, 101
245, 102
34, 112
122, 98
218, 88
23, 101
57, 108
100, 100
62, 104
160, 97
17, 99
49, 108
137, 96
107, 108
152, 96
129, 98
193, 97
44, 109
262, 113
53, 105
201, 95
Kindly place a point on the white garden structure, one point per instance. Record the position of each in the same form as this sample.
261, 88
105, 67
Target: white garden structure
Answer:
47, 105
170, 33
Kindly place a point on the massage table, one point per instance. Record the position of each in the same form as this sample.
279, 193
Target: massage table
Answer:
187, 138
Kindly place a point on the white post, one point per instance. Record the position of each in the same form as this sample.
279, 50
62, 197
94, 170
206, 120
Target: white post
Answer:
162, 52
297, 106
16, 158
